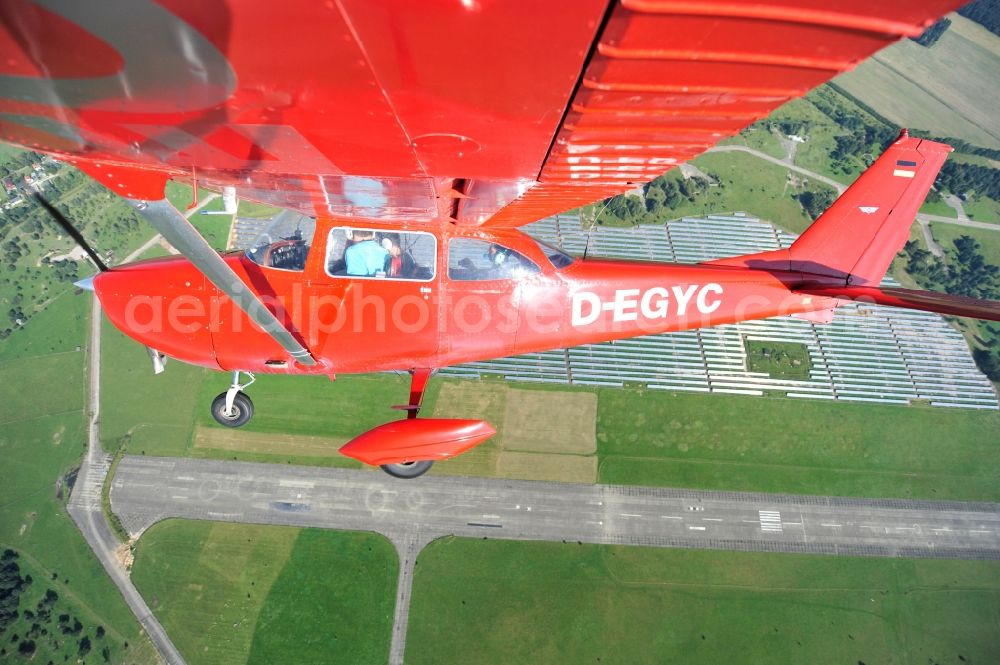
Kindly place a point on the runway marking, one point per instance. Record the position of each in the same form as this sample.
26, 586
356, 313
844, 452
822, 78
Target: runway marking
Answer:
180, 498
944, 528
770, 520
979, 531
671, 517
630, 515
831, 524
301, 484
599, 523
697, 528
492, 526
712, 519
185, 477
491, 517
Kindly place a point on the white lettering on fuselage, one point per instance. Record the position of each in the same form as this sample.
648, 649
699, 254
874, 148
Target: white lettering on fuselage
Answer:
651, 304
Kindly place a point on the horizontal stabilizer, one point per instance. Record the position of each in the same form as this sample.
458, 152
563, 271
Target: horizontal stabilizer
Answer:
928, 301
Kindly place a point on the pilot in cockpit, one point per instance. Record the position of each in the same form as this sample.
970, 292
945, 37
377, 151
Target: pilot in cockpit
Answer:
365, 257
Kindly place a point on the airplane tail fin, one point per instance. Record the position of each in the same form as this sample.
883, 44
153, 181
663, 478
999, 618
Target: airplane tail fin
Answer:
858, 236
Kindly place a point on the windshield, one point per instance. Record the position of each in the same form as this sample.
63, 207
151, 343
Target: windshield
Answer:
285, 243
557, 257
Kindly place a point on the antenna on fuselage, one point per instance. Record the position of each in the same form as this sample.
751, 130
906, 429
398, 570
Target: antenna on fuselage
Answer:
593, 223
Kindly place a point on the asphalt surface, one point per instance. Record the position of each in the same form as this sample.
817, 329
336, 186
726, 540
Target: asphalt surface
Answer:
148, 489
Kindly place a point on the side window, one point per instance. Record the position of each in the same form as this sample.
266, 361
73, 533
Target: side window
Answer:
284, 244
472, 260
379, 254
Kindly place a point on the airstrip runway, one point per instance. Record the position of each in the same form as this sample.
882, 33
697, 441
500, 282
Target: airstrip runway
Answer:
148, 489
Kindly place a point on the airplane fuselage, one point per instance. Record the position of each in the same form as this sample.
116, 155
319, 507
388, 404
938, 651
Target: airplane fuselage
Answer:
452, 315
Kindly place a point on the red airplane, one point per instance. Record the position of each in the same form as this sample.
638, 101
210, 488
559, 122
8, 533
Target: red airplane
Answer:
407, 141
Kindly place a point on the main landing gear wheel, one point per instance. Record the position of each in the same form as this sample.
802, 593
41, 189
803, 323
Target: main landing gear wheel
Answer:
238, 415
408, 469
233, 408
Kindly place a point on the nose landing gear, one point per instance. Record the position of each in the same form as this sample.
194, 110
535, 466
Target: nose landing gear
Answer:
234, 408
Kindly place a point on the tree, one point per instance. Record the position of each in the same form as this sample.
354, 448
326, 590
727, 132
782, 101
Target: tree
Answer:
933, 33
984, 12
84, 648
26, 648
816, 203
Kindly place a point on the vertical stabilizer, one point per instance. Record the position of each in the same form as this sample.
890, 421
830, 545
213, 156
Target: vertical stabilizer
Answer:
857, 237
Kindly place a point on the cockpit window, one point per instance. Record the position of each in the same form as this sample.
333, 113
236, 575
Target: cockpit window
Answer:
284, 244
557, 257
379, 254
472, 260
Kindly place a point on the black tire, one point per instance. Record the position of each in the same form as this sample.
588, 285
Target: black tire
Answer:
408, 469
242, 410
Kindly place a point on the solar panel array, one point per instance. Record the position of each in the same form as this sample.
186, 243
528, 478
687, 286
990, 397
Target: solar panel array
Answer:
867, 354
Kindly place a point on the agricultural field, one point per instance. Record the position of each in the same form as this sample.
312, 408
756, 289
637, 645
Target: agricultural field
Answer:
235, 594
42, 437
494, 601
938, 89
542, 434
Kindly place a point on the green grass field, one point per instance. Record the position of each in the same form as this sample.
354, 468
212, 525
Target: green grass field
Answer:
939, 89
939, 208
989, 240
758, 138
41, 440
796, 446
748, 183
153, 413
235, 594
982, 209
493, 601
258, 210
778, 359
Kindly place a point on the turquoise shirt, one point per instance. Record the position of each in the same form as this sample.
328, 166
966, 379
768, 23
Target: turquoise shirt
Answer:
365, 258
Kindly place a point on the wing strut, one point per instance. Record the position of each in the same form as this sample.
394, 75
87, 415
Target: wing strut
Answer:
173, 226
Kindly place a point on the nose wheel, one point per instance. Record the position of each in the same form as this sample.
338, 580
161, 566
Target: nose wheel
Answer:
234, 408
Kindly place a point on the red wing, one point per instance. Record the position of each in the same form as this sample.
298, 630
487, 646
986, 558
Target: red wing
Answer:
398, 110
